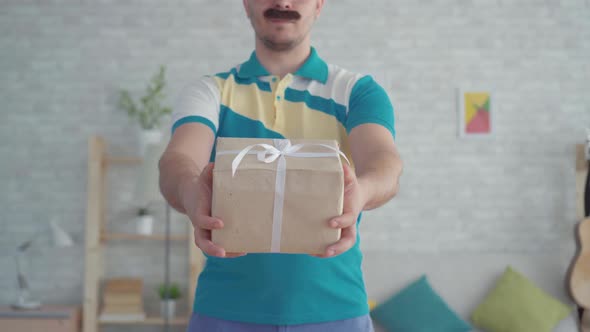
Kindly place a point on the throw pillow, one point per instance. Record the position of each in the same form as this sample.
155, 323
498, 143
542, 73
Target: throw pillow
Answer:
418, 308
516, 304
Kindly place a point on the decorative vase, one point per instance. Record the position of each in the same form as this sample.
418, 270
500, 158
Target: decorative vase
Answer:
148, 137
145, 224
168, 308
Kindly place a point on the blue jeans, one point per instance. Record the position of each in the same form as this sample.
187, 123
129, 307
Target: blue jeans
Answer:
201, 323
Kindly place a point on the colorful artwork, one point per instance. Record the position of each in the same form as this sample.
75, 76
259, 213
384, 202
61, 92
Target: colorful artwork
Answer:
475, 113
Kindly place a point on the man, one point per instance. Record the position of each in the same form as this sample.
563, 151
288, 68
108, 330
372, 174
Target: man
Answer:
284, 90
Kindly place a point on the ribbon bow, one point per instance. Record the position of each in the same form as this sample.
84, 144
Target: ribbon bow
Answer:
282, 148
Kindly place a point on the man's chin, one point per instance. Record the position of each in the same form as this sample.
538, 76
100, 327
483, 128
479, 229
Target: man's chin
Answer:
279, 45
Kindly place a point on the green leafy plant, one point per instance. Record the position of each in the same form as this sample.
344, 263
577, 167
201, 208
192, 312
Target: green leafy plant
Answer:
143, 211
169, 292
149, 110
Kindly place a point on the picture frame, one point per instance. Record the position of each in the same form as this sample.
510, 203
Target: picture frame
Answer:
476, 112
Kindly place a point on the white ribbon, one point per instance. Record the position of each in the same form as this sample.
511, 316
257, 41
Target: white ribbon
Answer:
282, 148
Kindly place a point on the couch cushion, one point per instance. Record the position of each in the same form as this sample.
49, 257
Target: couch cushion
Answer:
418, 307
516, 304
464, 279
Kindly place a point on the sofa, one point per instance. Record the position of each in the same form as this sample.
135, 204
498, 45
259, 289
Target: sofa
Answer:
463, 279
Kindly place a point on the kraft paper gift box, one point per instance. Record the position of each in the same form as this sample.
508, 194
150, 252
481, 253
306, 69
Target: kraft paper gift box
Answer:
273, 201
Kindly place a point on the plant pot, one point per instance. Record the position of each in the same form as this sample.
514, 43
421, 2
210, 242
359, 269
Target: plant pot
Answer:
145, 224
168, 308
148, 137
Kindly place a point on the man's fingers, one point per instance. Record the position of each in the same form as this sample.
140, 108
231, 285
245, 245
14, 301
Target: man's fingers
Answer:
205, 184
211, 249
347, 240
206, 222
346, 220
203, 241
206, 175
349, 175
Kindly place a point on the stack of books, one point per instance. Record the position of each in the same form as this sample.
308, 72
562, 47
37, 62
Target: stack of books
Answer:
122, 300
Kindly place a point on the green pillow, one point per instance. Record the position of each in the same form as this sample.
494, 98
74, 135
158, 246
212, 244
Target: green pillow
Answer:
418, 308
517, 305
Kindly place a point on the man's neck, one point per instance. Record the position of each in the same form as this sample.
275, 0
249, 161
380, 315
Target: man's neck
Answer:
282, 63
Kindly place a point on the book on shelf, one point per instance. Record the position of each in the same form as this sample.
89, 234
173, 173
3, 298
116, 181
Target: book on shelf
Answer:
122, 300
123, 312
123, 285
122, 317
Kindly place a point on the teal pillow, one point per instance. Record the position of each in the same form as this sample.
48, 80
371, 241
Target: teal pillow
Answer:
516, 304
418, 308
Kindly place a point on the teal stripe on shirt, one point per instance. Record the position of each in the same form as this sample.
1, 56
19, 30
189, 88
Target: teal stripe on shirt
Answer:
320, 104
194, 118
232, 124
223, 75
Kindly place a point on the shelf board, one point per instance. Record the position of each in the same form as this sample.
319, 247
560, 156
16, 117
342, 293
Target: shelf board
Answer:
146, 321
131, 236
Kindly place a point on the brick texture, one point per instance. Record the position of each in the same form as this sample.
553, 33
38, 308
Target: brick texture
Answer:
63, 61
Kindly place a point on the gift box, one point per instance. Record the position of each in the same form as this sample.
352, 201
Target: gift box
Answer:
277, 195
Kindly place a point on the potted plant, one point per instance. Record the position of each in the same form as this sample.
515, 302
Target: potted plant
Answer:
168, 296
149, 111
145, 221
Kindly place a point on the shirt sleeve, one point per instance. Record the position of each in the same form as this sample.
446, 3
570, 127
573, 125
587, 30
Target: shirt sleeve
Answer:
198, 102
369, 103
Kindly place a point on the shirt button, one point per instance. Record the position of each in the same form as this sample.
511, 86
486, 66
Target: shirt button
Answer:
278, 97
274, 79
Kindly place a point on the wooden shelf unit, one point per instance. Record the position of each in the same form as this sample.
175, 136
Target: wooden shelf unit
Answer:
99, 162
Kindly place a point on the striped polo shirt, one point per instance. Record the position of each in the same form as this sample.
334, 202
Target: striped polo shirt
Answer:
318, 101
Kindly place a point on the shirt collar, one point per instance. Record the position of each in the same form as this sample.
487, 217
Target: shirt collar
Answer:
313, 68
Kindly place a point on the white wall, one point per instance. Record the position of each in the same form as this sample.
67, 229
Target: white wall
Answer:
62, 63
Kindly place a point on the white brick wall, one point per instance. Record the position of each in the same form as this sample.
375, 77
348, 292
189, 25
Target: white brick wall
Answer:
62, 63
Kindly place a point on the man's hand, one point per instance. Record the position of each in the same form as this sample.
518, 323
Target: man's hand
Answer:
354, 202
196, 199
379, 167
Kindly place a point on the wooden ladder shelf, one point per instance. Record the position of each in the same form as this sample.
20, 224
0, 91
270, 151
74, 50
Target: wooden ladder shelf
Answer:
97, 237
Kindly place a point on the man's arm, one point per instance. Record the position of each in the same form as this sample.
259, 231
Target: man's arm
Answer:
185, 157
370, 185
370, 126
377, 162
186, 178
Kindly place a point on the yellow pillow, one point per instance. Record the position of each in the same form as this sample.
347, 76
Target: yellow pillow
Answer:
517, 305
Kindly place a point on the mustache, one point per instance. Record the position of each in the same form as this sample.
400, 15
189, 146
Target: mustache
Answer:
282, 14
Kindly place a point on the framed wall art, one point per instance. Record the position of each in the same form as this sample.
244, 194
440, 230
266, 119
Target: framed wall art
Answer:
476, 114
